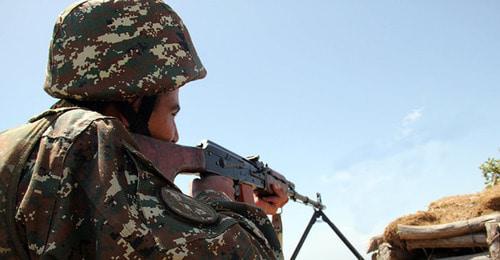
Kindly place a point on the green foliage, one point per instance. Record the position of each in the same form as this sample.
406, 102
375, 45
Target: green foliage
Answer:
491, 172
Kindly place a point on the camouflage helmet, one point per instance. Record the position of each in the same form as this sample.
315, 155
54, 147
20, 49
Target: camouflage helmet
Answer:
113, 50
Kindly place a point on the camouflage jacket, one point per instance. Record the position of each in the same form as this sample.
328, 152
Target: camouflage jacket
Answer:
85, 192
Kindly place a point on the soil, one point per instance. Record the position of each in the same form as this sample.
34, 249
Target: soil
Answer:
448, 209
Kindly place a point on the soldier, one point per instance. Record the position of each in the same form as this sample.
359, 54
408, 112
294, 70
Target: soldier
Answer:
74, 183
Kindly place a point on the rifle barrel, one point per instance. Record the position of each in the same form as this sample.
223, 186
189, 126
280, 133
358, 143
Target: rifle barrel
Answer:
295, 196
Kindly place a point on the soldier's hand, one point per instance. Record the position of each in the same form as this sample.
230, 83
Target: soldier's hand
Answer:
269, 203
272, 203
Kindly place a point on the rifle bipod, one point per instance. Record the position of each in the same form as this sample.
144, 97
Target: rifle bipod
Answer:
319, 213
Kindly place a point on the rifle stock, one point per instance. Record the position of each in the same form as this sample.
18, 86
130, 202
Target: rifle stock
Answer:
170, 158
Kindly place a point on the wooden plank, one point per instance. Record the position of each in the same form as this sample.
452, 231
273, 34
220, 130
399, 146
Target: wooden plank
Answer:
408, 232
387, 252
472, 240
493, 239
480, 256
374, 243
384, 252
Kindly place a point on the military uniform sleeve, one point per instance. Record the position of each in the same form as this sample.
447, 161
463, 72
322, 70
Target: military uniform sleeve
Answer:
96, 197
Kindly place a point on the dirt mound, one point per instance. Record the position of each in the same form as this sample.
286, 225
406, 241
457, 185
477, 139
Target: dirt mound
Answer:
448, 209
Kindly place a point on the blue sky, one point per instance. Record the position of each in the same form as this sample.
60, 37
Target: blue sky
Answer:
382, 106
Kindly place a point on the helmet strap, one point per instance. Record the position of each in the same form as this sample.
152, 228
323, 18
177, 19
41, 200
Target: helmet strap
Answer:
138, 121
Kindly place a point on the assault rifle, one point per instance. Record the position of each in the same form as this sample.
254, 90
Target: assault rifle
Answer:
209, 157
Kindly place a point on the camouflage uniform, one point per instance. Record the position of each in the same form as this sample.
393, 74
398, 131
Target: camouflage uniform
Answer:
72, 182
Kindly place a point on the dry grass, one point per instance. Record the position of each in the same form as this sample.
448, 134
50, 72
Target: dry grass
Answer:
448, 209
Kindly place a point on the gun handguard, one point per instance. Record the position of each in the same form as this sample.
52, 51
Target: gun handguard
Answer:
209, 157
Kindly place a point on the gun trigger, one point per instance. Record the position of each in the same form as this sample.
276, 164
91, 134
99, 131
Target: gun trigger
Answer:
237, 189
